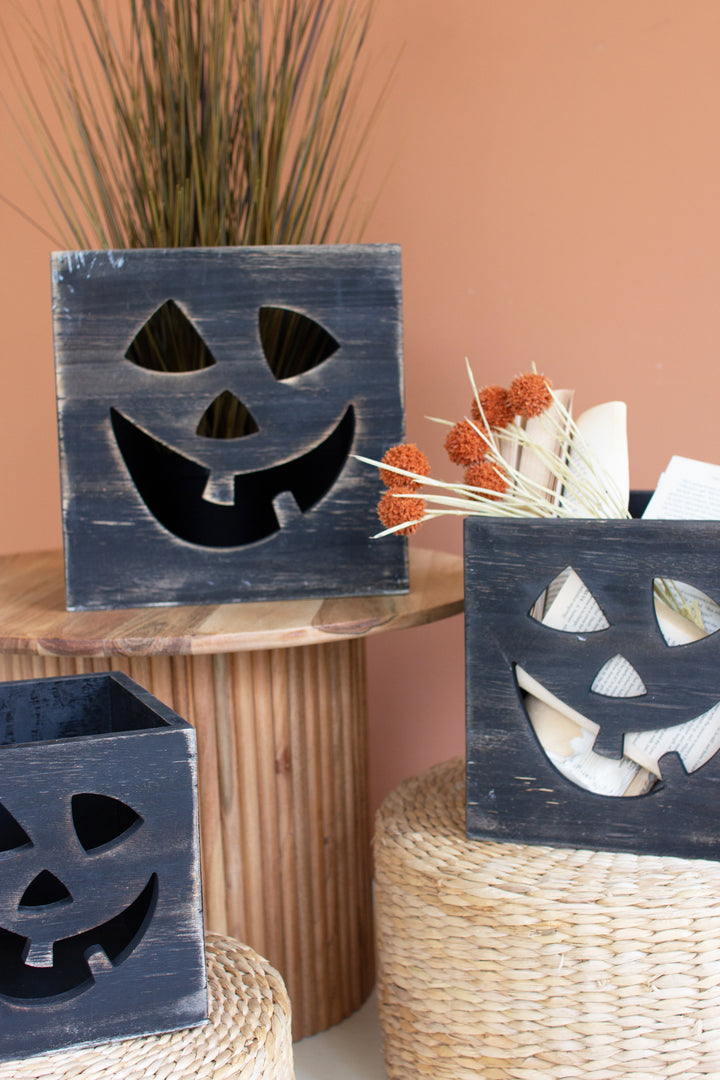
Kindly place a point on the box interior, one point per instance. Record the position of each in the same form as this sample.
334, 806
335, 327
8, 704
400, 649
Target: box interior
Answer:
38, 710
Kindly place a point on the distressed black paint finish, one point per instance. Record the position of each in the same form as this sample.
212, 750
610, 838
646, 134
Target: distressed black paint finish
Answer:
163, 506
101, 930
513, 790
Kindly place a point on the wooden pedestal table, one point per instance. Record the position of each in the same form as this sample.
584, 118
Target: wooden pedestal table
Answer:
277, 693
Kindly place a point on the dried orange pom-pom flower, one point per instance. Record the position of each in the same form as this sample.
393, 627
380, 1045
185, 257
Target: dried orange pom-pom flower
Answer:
485, 475
404, 456
530, 395
495, 405
463, 444
393, 511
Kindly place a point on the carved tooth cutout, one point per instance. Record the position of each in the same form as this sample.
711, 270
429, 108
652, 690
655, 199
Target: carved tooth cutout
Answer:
568, 739
26, 973
172, 486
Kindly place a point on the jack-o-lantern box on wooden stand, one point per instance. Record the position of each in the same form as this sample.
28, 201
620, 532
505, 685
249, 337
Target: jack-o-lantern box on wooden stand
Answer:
211, 402
101, 933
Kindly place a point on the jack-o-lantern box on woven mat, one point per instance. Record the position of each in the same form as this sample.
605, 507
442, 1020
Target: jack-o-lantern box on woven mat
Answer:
211, 402
100, 903
593, 697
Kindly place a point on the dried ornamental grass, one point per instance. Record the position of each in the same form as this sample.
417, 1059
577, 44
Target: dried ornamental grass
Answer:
187, 123
197, 122
485, 443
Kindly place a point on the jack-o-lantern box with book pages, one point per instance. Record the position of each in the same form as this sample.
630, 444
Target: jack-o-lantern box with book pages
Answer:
211, 402
101, 930
593, 703
566, 873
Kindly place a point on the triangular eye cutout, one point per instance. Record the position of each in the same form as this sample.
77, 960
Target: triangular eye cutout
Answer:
684, 613
101, 819
169, 342
618, 678
567, 604
227, 418
12, 834
43, 890
292, 342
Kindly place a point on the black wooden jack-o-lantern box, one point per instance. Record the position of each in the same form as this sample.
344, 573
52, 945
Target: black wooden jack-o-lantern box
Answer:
593, 711
100, 903
210, 404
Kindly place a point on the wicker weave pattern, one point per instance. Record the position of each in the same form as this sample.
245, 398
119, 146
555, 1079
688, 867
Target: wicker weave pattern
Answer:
247, 1038
509, 962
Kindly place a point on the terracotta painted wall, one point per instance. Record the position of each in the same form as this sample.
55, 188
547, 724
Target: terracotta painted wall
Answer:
554, 178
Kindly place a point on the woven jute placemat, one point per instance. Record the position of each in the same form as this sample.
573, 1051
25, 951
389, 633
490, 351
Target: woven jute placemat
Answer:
248, 1035
510, 962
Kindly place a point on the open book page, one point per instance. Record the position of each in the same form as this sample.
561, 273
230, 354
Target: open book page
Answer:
687, 490
599, 458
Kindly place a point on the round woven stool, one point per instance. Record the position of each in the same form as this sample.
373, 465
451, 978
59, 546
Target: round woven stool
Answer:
247, 1037
509, 962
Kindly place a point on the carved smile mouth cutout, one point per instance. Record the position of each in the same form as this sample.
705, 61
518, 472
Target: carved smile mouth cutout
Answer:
173, 486
567, 740
73, 957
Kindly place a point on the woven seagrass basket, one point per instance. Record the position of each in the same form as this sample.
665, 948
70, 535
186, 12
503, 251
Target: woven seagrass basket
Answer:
247, 1037
503, 961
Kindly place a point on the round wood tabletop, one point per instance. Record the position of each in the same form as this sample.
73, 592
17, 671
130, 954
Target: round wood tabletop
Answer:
33, 618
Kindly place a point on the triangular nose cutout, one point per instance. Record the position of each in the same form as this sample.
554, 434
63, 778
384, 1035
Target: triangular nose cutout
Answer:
618, 678
43, 890
227, 418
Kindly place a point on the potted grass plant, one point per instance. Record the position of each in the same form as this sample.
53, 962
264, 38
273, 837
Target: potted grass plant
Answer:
220, 347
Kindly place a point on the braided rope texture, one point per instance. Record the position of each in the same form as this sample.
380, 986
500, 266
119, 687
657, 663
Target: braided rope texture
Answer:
248, 1036
509, 962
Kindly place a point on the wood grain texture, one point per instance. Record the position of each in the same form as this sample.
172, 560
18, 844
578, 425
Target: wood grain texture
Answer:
513, 790
33, 617
157, 509
277, 693
115, 936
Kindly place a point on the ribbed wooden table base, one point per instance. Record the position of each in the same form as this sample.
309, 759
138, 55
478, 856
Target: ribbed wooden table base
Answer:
282, 747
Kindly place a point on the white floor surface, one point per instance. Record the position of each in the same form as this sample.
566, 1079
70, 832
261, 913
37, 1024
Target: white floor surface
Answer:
350, 1050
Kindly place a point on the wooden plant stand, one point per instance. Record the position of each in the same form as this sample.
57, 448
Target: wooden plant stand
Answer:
277, 693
